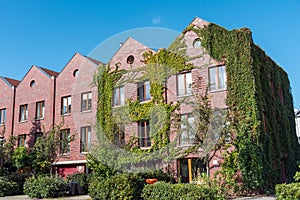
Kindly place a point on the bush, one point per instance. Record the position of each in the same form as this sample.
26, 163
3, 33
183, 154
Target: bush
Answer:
45, 187
288, 191
19, 178
120, 186
167, 191
159, 191
81, 180
8, 187
159, 174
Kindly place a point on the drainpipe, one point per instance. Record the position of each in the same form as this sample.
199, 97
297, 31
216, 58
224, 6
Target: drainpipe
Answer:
13, 110
54, 99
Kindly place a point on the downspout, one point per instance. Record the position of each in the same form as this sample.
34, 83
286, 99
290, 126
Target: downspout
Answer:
54, 99
13, 110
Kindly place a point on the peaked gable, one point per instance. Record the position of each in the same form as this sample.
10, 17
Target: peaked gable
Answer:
130, 54
10, 82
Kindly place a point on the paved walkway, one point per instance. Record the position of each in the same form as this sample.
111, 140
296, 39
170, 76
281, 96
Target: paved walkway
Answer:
256, 198
22, 197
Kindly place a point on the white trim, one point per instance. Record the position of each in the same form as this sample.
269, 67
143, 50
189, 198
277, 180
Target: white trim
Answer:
70, 162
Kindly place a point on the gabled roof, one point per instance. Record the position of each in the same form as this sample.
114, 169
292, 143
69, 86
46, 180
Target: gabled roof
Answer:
49, 72
94, 61
13, 82
128, 40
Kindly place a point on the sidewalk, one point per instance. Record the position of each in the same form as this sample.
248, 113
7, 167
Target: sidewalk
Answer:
22, 197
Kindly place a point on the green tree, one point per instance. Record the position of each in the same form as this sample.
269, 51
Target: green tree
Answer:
49, 148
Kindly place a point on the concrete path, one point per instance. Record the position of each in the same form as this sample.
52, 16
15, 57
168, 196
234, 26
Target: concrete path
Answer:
22, 197
256, 198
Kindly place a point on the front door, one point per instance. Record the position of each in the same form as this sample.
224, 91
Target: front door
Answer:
190, 169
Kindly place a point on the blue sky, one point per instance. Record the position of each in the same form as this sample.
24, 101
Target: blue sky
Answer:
47, 33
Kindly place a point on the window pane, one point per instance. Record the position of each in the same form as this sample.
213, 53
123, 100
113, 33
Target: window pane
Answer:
116, 97
222, 77
189, 82
147, 90
180, 84
212, 78
122, 96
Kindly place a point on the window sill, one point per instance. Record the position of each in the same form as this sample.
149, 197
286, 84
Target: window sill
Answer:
21, 122
145, 148
118, 106
86, 111
39, 119
85, 152
217, 90
146, 101
67, 114
185, 95
2, 124
65, 155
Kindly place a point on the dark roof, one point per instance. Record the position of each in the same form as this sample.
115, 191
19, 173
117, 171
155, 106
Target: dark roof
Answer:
13, 82
50, 72
93, 60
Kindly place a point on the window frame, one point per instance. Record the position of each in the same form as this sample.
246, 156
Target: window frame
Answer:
68, 106
120, 96
85, 145
144, 128
22, 140
23, 115
219, 85
143, 92
88, 101
188, 89
62, 135
188, 133
2, 116
40, 111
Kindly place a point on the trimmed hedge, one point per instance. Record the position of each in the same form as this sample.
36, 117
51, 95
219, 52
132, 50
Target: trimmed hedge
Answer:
288, 191
8, 187
168, 191
45, 187
124, 186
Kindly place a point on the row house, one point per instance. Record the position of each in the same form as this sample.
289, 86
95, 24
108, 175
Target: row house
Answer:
179, 86
44, 98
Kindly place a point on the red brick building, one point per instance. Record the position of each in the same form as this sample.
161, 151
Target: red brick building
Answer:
44, 98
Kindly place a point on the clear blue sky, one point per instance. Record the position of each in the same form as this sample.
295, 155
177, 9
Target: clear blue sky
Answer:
47, 33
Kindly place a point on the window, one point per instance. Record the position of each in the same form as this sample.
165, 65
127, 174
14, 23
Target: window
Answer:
184, 84
37, 136
217, 78
40, 110
144, 134
119, 96
65, 141
1, 141
23, 113
120, 136
86, 101
85, 138
21, 140
66, 105
2, 116
187, 135
197, 43
144, 91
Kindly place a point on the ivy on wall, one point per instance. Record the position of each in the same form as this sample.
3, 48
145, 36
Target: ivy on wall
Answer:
258, 97
260, 109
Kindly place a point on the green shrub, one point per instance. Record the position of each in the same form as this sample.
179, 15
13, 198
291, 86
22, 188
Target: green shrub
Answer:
8, 187
167, 191
124, 186
159, 174
159, 191
81, 180
288, 191
19, 178
45, 187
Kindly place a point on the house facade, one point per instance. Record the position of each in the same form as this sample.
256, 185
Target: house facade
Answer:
236, 75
